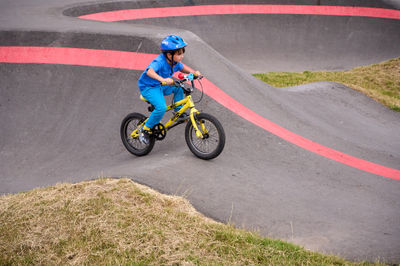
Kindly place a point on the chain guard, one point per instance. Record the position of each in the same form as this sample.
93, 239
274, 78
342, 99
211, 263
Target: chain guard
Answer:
159, 132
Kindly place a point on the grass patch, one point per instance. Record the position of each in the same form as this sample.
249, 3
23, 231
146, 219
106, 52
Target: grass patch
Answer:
381, 81
114, 222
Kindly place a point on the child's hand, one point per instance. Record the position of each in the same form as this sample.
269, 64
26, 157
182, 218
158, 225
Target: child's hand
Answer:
197, 73
167, 81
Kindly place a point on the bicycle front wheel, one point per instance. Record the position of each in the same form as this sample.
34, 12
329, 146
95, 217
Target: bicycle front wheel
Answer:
132, 144
213, 141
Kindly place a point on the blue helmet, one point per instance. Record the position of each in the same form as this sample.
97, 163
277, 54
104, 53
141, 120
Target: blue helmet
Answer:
172, 43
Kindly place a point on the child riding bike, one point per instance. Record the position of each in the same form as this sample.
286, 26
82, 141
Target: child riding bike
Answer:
156, 81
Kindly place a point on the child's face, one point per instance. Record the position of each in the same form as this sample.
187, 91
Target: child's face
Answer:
178, 56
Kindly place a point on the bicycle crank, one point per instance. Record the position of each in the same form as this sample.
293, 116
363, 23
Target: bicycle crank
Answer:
159, 131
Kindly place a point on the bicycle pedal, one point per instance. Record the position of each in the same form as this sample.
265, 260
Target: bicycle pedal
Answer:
182, 119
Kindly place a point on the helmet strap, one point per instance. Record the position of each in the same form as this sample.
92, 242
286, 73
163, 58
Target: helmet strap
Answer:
172, 62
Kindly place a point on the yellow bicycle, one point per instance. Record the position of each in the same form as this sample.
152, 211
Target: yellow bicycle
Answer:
204, 134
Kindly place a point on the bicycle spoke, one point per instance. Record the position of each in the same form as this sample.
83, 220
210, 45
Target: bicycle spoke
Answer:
134, 142
210, 142
131, 142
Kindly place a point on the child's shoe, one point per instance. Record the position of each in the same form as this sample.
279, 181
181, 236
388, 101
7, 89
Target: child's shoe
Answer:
184, 116
144, 135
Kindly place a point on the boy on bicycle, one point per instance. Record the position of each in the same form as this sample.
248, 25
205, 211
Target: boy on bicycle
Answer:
156, 82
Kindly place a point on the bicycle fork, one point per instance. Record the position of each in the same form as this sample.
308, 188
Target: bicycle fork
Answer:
199, 133
193, 112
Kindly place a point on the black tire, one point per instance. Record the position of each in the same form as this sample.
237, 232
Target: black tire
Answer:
133, 145
212, 144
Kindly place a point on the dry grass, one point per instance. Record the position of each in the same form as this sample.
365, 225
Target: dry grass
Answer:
380, 81
115, 221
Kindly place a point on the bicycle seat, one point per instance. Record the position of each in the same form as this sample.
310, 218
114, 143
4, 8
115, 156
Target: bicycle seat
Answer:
143, 99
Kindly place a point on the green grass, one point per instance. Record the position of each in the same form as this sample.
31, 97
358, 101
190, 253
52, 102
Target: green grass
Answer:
118, 222
381, 81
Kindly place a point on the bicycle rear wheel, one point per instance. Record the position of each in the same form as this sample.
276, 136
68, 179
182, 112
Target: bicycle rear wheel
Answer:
132, 144
213, 141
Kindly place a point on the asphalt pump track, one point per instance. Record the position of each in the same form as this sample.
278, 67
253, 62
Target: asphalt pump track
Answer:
316, 165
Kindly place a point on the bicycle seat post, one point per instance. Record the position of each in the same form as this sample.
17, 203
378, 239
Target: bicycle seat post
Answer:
151, 107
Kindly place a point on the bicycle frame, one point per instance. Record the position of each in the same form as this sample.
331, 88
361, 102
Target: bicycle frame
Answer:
186, 103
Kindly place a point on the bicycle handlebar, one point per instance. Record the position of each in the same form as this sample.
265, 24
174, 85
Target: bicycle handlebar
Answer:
188, 77
183, 78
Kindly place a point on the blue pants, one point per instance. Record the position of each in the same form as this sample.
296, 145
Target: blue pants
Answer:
155, 95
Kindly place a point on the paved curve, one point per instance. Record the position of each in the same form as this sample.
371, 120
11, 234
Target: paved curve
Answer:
60, 122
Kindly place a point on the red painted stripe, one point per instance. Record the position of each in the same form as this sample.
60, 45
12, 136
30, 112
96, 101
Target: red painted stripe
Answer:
75, 56
132, 14
138, 61
241, 110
